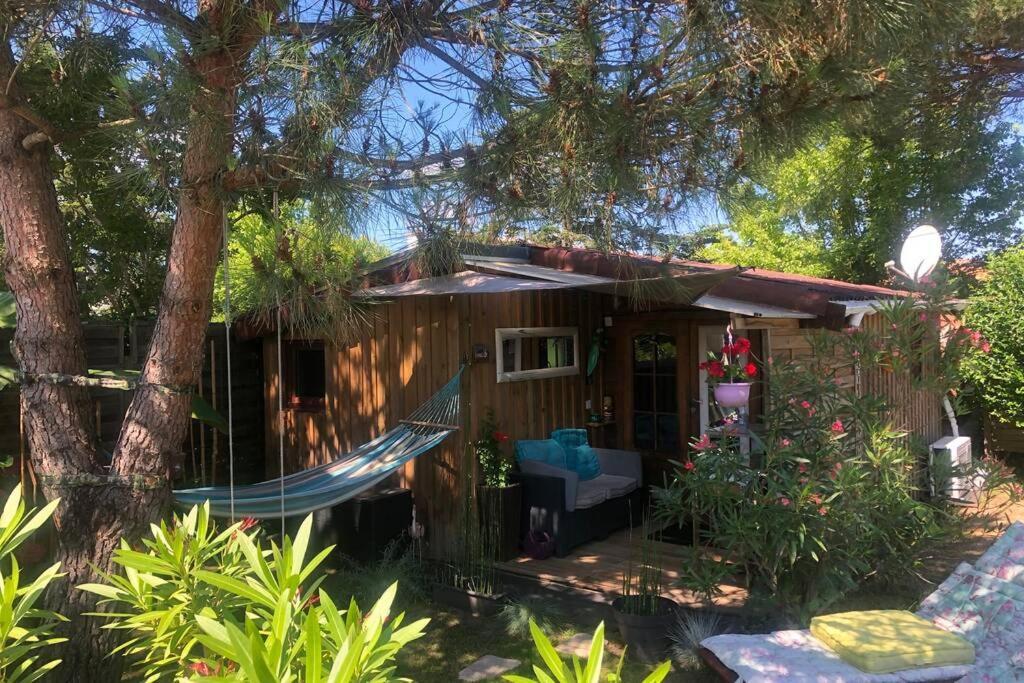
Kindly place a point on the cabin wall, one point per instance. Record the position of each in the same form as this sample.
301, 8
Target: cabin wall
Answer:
414, 346
915, 411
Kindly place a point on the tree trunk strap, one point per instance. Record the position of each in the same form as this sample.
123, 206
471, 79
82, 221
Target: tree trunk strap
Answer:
102, 382
138, 482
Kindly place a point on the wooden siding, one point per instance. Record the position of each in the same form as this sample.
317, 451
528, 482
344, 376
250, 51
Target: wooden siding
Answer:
414, 346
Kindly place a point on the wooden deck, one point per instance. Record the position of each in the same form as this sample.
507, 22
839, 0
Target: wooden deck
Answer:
598, 567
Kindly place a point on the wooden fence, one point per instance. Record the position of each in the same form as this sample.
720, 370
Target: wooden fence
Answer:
204, 453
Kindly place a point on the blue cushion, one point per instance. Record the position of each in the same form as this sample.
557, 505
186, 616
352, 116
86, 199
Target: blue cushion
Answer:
547, 451
586, 463
569, 439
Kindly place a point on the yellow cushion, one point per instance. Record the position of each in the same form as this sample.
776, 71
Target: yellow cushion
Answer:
884, 641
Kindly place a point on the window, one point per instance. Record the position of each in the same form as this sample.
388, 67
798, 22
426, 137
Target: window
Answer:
305, 376
536, 353
655, 399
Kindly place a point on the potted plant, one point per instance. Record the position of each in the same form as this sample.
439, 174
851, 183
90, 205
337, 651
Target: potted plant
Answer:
730, 377
644, 616
498, 498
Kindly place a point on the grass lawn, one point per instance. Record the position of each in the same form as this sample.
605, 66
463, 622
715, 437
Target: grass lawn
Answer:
455, 641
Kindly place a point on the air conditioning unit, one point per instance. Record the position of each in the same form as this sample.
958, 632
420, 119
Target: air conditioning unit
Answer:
949, 468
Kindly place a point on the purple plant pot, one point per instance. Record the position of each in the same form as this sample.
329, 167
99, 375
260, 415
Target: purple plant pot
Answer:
733, 395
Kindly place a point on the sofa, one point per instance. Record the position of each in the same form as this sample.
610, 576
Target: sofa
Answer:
569, 500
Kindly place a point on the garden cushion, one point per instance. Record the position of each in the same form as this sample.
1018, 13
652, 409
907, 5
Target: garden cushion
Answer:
589, 494
547, 451
614, 485
1005, 558
985, 610
885, 641
584, 461
799, 657
579, 457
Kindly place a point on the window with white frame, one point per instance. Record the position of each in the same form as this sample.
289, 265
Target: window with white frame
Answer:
536, 352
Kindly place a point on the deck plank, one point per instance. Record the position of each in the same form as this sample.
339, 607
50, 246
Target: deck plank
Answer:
599, 566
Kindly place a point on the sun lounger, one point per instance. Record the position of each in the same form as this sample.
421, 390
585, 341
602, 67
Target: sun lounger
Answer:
986, 610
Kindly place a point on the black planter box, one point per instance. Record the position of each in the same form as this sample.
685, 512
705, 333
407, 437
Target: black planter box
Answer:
646, 636
470, 602
500, 509
368, 523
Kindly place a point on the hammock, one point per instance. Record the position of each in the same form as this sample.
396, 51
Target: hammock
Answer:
344, 477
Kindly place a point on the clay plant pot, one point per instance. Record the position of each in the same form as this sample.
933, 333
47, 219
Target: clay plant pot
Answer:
733, 394
470, 602
646, 635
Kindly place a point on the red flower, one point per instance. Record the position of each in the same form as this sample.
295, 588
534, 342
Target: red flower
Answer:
702, 443
806, 405
500, 437
837, 427
689, 466
201, 668
248, 523
716, 369
750, 369
312, 600
741, 345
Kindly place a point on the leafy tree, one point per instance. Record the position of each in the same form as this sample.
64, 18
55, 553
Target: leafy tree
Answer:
840, 205
996, 311
599, 117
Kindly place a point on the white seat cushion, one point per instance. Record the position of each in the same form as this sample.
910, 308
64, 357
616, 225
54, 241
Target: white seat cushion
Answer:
615, 485
590, 493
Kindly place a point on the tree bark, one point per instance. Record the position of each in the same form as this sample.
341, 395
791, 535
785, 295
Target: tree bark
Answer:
93, 518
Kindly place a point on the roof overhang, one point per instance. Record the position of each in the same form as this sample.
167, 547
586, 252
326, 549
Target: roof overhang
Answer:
465, 282
749, 309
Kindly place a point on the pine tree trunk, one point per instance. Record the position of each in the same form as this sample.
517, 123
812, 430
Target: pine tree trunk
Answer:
93, 518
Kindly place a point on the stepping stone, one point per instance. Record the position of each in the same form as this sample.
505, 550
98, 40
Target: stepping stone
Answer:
487, 667
578, 645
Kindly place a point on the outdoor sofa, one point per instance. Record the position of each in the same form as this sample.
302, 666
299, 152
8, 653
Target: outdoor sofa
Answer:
572, 508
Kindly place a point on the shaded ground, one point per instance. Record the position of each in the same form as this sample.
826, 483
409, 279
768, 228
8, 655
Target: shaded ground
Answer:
454, 640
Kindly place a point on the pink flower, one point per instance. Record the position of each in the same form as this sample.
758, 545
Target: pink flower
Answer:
801, 468
823, 511
815, 498
805, 405
689, 466
985, 347
922, 317
785, 502
837, 427
785, 443
201, 668
702, 443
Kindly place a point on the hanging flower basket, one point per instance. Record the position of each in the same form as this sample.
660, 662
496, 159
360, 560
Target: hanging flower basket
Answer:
733, 394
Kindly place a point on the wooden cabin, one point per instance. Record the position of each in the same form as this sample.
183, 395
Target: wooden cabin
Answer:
523, 320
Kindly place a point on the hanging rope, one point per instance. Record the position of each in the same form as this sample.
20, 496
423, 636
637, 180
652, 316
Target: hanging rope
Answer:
227, 345
280, 382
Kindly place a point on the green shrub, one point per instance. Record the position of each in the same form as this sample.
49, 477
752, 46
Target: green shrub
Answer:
156, 599
24, 629
555, 669
203, 602
834, 496
994, 318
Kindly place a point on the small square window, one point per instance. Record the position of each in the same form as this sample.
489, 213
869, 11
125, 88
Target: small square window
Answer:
305, 375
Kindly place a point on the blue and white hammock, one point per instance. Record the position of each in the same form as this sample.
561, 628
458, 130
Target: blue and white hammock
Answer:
344, 477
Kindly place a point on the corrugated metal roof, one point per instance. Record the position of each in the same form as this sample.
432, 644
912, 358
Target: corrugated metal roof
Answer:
465, 282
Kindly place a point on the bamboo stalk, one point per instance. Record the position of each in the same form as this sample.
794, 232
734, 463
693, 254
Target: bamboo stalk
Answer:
202, 439
213, 399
